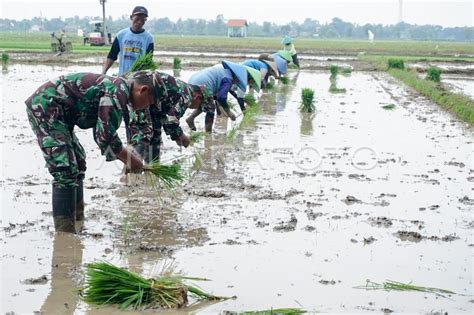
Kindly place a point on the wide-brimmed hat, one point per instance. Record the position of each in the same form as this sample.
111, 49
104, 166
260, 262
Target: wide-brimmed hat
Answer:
239, 72
281, 63
287, 40
271, 65
256, 76
285, 54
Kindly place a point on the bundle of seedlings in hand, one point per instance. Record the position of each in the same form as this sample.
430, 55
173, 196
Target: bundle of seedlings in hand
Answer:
396, 63
284, 80
196, 136
169, 175
400, 286
108, 284
176, 63
276, 311
307, 100
144, 62
389, 106
250, 100
5, 58
433, 74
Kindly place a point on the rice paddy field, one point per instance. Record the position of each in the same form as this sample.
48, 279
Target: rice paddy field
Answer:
363, 205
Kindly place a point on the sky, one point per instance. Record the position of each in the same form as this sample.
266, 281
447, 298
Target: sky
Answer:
442, 12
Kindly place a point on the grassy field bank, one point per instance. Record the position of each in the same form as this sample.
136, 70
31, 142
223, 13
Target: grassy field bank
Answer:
40, 42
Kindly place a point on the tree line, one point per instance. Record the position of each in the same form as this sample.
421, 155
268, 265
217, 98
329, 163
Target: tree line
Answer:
310, 28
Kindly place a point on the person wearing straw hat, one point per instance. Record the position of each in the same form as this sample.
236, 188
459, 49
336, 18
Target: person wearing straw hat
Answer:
219, 80
282, 64
172, 98
89, 101
131, 42
254, 79
287, 41
267, 68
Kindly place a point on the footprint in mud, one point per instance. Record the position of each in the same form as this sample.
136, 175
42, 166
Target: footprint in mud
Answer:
350, 200
466, 201
40, 280
381, 221
286, 226
417, 237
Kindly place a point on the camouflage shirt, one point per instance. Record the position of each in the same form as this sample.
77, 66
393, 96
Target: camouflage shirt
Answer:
172, 98
86, 100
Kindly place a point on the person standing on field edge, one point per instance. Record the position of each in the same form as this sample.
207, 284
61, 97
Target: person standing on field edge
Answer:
130, 42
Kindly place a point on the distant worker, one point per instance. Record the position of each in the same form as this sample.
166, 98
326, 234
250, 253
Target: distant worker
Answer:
130, 42
287, 41
267, 68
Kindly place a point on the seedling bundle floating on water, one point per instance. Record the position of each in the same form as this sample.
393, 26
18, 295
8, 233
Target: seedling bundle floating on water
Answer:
5, 58
108, 284
307, 100
400, 286
169, 175
334, 70
176, 63
433, 74
144, 62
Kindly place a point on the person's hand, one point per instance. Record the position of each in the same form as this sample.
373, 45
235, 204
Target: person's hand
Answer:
184, 140
133, 163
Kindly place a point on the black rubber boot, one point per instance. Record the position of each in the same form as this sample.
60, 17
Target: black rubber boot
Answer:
64, 209
80, 200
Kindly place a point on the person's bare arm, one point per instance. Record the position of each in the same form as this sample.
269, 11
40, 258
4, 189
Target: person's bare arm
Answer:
107, 64
132, 162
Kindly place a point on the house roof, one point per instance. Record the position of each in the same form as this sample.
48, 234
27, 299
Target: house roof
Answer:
237, 23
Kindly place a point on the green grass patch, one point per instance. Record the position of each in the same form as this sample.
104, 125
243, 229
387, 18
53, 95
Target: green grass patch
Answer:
108, 284
390, 285
459, 104
176, 63
433, 74
307, 100
389, 106
396, 63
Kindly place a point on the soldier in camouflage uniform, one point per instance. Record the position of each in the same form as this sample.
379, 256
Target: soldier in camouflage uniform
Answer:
172, 98
85, 100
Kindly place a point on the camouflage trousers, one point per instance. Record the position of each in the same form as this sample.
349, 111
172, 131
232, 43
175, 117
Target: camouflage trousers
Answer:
65, 157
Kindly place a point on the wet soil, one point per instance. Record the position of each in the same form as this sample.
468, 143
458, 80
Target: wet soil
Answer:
294, 212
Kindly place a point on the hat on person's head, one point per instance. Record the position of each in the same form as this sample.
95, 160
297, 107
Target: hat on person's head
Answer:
239, 72
287, 40
272, 66
285, 54
140, 10
281, 63
256, 77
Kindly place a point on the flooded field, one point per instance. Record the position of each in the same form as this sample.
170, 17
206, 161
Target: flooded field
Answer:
296, 211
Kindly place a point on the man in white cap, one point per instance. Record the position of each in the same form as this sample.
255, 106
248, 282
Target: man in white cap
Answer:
131, 42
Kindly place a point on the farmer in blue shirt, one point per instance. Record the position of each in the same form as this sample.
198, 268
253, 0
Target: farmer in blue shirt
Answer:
219, 80
130, 42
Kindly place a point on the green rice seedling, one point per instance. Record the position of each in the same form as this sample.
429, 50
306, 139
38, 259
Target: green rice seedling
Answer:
346, 71
144, 62
250, 100
284, 80
433, 74
400, 286
197, 163
232, 134
249, 115
269, 86
307, 100
176, 63
276, 311
196, 136
389, 106
169, 175
334, 70
108, 284
5, 58
396, 63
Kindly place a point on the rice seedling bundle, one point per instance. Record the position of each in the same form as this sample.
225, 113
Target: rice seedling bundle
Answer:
196, 136
334, 89
400, 286
433, 74
108, 284
346, 70
269, 86
249, 115
232, 134
389, 107
250, 100
5, 58
334, 70
284, 80
396, 63
176, 63
276, 311
168, 175
307, 100
144, 62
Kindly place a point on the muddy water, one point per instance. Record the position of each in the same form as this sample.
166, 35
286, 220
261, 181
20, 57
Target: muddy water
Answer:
460, 84
294, 212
